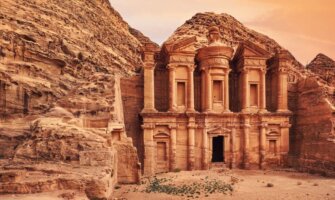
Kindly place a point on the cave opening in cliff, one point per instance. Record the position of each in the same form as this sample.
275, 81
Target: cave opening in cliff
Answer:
218, 148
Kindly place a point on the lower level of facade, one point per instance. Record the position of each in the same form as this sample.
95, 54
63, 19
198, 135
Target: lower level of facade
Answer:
196, 141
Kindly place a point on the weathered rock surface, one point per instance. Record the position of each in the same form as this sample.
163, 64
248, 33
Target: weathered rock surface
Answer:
62, 125
324, 67
62, 119
313, 141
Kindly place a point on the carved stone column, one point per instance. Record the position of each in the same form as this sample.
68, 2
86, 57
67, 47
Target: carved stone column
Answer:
149, 89
246, 149
245, 91
263, 90
232, 147
149, 149
284, 141
173, 144
282, 90
226, 92
172, 89
204, 148
208, 87
191, 143
190, 89
262, 145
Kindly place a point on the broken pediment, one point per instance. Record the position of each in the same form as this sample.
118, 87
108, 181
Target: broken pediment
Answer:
249, 49
184, 45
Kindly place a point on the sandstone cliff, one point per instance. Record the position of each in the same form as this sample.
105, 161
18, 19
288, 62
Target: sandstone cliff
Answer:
61, 112
324, 67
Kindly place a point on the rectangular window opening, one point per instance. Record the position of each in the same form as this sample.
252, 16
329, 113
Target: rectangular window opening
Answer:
254, 95
273, 147
181, 93
217, 90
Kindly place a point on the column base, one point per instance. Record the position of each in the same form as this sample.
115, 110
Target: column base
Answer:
246, 163
208, 111
149, 110
263, 111
262, 165
283, 111
245, 110
191, 110
227, 111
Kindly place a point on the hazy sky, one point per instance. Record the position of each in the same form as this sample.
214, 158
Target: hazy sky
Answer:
304, 27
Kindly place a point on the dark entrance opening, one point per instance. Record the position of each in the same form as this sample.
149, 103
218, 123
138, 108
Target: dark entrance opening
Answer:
218, 148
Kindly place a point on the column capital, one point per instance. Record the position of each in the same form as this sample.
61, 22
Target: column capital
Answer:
285, 125
233, 126
173, 126
264, 125
148, 126
263, 71
171, 66
149, 65
191, 67
245, 125
244, 70
191, 126
283, 70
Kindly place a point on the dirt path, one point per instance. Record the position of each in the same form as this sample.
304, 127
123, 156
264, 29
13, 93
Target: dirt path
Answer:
250, 185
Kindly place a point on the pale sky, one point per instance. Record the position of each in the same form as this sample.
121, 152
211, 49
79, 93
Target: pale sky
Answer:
304, 27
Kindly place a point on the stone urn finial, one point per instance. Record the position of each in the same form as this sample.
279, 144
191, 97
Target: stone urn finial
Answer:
214, 36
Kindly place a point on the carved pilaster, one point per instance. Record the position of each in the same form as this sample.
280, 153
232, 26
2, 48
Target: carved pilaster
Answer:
284, 141
208, 86
190, 89
149, 88
205, 164
263, 90
226, 91
245, 90
262, 145
149, 149
233, 147
173, 144
191, 143
172, 88
246, 149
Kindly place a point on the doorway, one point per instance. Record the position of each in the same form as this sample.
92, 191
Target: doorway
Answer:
218, 149
161, 157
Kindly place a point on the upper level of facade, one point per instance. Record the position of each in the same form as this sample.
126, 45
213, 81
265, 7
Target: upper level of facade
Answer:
215, 78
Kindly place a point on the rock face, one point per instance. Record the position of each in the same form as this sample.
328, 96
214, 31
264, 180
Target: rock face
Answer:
63, 67
313, 140
324, 67
62, 124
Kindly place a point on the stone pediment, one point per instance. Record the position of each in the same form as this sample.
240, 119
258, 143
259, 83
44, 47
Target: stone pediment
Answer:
184, 45
219, 131
249, 49
161, 135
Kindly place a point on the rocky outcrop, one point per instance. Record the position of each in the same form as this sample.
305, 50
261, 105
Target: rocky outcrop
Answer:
61, 115
324, 67
314, 138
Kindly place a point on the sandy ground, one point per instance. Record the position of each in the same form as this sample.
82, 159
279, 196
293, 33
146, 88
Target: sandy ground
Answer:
249, 185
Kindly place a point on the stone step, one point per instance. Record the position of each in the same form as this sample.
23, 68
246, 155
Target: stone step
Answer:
218, 165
